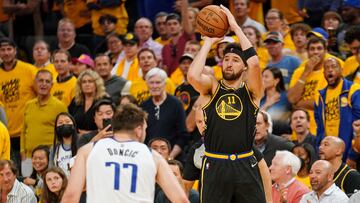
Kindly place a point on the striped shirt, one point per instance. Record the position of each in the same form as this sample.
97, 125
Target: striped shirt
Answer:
21, 193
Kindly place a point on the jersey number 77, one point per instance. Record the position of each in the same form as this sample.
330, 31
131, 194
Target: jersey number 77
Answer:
117, 168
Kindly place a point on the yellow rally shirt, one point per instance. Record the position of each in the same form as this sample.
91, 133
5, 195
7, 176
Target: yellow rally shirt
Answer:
4, 142
140, 90
64, 91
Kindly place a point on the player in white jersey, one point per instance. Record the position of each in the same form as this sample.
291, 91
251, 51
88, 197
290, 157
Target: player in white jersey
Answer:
120, 168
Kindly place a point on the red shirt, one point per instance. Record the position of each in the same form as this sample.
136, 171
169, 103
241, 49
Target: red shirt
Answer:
294, 193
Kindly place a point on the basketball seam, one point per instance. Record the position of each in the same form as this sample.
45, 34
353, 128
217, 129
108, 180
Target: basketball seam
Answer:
220, 17
211, 24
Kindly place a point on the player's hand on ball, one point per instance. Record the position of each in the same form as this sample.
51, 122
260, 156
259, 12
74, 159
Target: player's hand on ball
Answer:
212, 40
232, 22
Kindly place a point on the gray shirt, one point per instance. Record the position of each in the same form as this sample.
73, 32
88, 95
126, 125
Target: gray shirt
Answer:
332, 195
21, 193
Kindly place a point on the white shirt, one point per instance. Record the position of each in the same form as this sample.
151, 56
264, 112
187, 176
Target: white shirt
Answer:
332, 195
21, 193
254, 23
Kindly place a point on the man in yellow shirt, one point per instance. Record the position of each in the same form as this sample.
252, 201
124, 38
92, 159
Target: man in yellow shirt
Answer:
4, 142
160, 25
41, 56
352, 38
39, 119
17, 87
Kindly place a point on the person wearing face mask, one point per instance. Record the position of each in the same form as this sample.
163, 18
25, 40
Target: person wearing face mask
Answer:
64, 147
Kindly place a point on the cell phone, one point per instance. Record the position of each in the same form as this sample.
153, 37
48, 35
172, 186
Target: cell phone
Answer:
106, 122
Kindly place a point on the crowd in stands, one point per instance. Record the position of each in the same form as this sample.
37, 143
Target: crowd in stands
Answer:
65, 67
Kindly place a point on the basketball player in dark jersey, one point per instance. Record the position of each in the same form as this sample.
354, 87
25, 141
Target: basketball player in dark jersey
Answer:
230, 172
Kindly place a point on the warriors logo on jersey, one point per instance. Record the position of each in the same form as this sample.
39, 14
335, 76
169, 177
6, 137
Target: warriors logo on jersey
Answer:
229, 107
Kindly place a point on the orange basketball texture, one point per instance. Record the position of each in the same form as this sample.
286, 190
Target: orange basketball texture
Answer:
212, 22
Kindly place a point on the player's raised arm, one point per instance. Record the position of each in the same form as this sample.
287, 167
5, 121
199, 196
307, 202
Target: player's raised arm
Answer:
77, 176
249, 57
167, 181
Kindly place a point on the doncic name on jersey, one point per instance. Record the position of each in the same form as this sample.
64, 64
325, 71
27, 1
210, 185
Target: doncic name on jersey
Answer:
122, 152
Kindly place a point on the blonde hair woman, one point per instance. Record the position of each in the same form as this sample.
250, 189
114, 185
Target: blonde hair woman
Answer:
89, 89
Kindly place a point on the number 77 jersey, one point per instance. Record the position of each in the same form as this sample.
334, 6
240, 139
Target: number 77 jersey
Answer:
120, 172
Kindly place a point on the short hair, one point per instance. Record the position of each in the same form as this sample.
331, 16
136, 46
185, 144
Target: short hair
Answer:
178, 164
193, 42
299, 27
156, 71
161, 139
146, 49
352, 34
315, 40
107, 17
247, 2
130, 97
9, 163
128, 117
103, 55
66, 20
44, 148
43, 71
42, 41
307, 115
289, 159
102, 102
60, 51
275, 10
173, 16
161, 14
330, 14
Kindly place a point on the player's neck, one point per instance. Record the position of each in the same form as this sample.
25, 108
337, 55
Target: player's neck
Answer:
336, 163
233, 83
123, 137
159, 99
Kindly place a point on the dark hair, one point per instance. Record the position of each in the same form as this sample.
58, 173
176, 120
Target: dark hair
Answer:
277, 75
299, 27
41, 71
60, 51
105, 101
103, 55
352, 34
42, 41
107, 17
120, 37
59, 141
161, 14
11, 165
265, 116
173, 16
146, 50
131, 98
300, 109
49, 197
161, 139
315, 40
330, 14
310, 151
7, 41
177, 163
275, 10
128, 117
45, 149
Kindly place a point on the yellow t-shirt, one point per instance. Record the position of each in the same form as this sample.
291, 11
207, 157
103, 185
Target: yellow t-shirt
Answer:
134, 70
119, 12
50, 67
264, 57
255, 10
218, 72
161, 41
39, 129
289, 8
17, 87
4, 142
350, 65
140, 90
177, 77
305, 181
77, 12
332, 110
64, 91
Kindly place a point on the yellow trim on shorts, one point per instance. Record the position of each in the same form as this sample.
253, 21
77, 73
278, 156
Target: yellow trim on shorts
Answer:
231, 157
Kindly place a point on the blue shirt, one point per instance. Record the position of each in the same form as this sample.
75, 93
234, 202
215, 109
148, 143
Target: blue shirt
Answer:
287, 66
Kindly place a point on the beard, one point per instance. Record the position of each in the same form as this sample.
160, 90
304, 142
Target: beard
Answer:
231, 76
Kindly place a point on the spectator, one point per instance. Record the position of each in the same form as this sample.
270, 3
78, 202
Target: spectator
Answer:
41, 56
66, 39
138, 88
284, 167
65, 138
79, 14
275, 100
350, 12
351, 65
107, 24
324, 189
300, 123
332, 150
241, 10
55, 184
275, 23
104, 110
144, 30
113, 84
254, 37
332, 23
115, 49
266, 142
4, 142
160, 26
289, 9
306, 153
40, 162
126, 99
64, 85
82, 63
11, 189
39, 129
337, 107
161, 145
178, 169
308, 79
13, 75
128, 67
298, 34
274, 43
166, 114
89, 89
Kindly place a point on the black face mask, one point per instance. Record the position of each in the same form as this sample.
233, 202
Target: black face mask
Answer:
65, 130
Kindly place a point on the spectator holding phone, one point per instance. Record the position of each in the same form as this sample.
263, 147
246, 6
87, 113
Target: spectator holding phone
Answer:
104, 111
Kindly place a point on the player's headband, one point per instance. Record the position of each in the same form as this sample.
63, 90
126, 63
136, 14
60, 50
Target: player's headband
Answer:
236, 49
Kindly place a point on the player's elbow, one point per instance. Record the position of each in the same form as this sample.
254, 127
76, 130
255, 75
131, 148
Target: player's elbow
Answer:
292, 98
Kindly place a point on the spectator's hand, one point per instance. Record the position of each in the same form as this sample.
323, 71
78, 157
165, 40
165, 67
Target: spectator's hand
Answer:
311, 64
351, 163
283, 194
103, 133
303, 14
29, 181
271, 101
356, 127
177, 5
212, 40
231, 19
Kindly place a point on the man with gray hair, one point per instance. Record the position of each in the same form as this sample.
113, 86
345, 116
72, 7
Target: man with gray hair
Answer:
284, 167
166, 114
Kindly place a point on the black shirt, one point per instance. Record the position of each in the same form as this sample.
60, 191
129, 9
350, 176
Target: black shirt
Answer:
347, 179
84, 120
187, 95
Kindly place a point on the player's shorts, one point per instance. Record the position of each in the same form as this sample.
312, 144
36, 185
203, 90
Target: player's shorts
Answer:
231, 178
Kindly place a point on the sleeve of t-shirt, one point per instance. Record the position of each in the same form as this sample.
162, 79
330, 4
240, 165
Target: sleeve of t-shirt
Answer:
295, 77
352, 182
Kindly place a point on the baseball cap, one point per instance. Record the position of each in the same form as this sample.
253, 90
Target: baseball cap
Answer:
6, 41
352, 3
318, 32
274, 37
186, 56
84, 59
130, 38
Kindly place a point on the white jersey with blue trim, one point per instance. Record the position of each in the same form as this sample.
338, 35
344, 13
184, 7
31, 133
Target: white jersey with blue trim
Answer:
120, 172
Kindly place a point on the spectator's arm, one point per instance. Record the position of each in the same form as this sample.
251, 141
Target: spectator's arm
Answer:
188, 27
201, 3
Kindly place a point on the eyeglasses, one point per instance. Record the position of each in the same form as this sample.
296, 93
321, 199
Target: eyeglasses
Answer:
157, 112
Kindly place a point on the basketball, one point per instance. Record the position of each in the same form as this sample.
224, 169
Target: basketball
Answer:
212, 22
